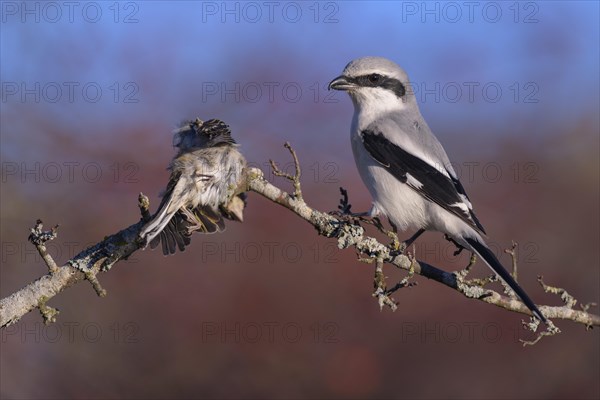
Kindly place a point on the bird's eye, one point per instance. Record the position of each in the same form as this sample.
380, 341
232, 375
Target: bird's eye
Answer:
374, 78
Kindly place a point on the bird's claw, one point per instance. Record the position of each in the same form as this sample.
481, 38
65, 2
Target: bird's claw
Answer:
459, 248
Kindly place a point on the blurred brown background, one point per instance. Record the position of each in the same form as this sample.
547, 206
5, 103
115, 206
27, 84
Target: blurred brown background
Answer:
268, 309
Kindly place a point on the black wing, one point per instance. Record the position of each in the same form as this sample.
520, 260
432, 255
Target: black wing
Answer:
426, 180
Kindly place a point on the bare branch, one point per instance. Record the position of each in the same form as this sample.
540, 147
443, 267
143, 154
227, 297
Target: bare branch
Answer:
551, 330
144, 206
353, 235
513, 256
564, 295
48, 313
381, 292
347, 231
35, 295
295, 179
38, 238
91, 277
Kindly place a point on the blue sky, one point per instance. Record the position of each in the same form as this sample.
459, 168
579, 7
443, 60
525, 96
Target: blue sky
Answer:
535, 63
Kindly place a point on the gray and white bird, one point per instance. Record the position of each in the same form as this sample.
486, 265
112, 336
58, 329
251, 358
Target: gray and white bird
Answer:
203, 187
405, 167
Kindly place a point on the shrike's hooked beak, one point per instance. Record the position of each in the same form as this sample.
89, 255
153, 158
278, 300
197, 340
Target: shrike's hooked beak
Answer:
342, 82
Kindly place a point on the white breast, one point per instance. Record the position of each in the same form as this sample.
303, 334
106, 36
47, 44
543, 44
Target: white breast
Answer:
405, 208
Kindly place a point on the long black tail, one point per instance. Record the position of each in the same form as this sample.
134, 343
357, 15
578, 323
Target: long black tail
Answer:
490, 259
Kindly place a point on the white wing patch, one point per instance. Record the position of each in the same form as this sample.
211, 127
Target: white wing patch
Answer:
414, 182
463, 208
466, 201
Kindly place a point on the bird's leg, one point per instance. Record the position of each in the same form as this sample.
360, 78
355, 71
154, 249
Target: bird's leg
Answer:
396, 245
459, 248
406, 244
345, 213
376, 222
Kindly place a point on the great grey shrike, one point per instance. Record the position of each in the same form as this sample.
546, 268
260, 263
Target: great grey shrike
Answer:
405, 167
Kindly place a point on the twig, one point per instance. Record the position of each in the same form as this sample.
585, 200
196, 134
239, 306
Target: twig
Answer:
344, 206
513, 255
48, 313
381, 292
35, 295
475, 282
405, 281
550, 330
38, 238
144, 206
295, 179
103, 255
90, 276
349, 235
564, 295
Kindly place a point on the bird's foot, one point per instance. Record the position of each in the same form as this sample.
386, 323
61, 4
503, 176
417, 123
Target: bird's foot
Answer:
459, 247
396, 245
408, 242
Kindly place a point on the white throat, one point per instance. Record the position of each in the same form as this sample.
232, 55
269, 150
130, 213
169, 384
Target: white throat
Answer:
372, 103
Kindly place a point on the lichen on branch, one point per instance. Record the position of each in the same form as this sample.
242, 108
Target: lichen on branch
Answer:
341, 225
